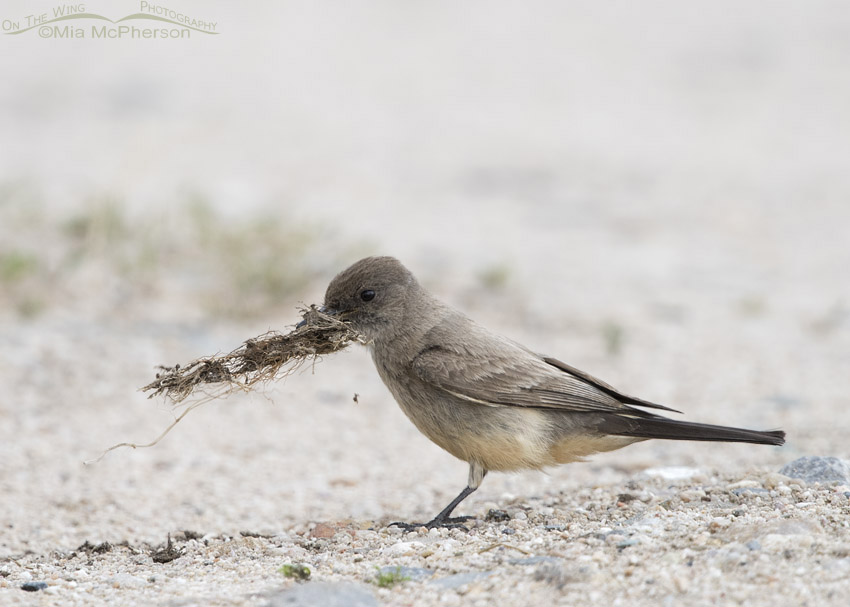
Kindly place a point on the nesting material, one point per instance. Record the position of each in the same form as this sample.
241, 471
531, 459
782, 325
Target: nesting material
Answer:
271, 356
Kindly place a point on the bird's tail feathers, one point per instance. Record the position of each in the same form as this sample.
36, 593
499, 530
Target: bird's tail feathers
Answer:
671, 429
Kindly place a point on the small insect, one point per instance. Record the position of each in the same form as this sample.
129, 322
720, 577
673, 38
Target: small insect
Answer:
356, 398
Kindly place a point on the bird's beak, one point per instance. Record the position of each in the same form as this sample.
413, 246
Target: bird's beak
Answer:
323, 310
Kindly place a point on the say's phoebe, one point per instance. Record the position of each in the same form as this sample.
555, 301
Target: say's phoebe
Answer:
486, 399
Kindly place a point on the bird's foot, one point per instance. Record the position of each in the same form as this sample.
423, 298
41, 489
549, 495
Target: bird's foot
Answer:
448, 522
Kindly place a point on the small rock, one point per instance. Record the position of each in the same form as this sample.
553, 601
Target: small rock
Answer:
497, 516
691, 495
404, 548
817, 469
460, 579
649, 524
673, 473
34, 586
326, 594
751, 490
322, 530
772, 480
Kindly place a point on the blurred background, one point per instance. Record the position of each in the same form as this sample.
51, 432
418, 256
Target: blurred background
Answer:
655, 192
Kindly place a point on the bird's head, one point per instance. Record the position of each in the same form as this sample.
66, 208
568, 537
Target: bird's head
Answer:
373, 296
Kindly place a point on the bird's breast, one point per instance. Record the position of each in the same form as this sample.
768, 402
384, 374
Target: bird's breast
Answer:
498, 438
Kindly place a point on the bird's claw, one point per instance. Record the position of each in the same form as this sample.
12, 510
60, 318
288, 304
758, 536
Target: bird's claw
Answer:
453, 522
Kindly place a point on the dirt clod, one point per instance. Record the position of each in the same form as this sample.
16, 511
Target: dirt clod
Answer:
90, 548
167, 554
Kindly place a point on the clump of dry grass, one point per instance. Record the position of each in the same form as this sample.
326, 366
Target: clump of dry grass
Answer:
262, 359
268, 357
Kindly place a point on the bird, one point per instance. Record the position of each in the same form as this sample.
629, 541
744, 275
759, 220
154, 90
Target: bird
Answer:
486, 399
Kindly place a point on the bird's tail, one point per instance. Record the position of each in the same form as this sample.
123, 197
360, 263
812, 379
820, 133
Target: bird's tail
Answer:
664, 428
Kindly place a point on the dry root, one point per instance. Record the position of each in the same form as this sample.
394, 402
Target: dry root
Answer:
271, 356
268, 357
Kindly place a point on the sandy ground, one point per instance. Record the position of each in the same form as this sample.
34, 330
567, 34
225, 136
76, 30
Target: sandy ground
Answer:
657, 195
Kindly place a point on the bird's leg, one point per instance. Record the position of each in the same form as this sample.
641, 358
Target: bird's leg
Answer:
443, 519
476, 475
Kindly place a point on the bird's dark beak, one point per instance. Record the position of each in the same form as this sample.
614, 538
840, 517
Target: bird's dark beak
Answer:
323, 310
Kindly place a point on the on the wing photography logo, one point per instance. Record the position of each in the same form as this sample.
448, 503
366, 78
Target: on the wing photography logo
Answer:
72, 21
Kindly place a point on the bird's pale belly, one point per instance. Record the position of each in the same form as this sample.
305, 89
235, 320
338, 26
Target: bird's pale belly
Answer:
501, 438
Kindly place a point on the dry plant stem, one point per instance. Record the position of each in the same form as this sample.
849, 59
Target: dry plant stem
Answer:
271, 356
502, 545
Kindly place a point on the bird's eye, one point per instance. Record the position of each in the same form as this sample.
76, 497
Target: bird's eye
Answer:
367, 295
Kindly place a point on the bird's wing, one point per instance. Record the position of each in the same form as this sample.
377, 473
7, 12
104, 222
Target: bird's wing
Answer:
484, 368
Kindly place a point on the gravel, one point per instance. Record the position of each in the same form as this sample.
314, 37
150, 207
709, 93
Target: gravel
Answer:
676, 541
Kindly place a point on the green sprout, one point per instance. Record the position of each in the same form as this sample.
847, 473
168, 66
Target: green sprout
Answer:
389, 577
299, 571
